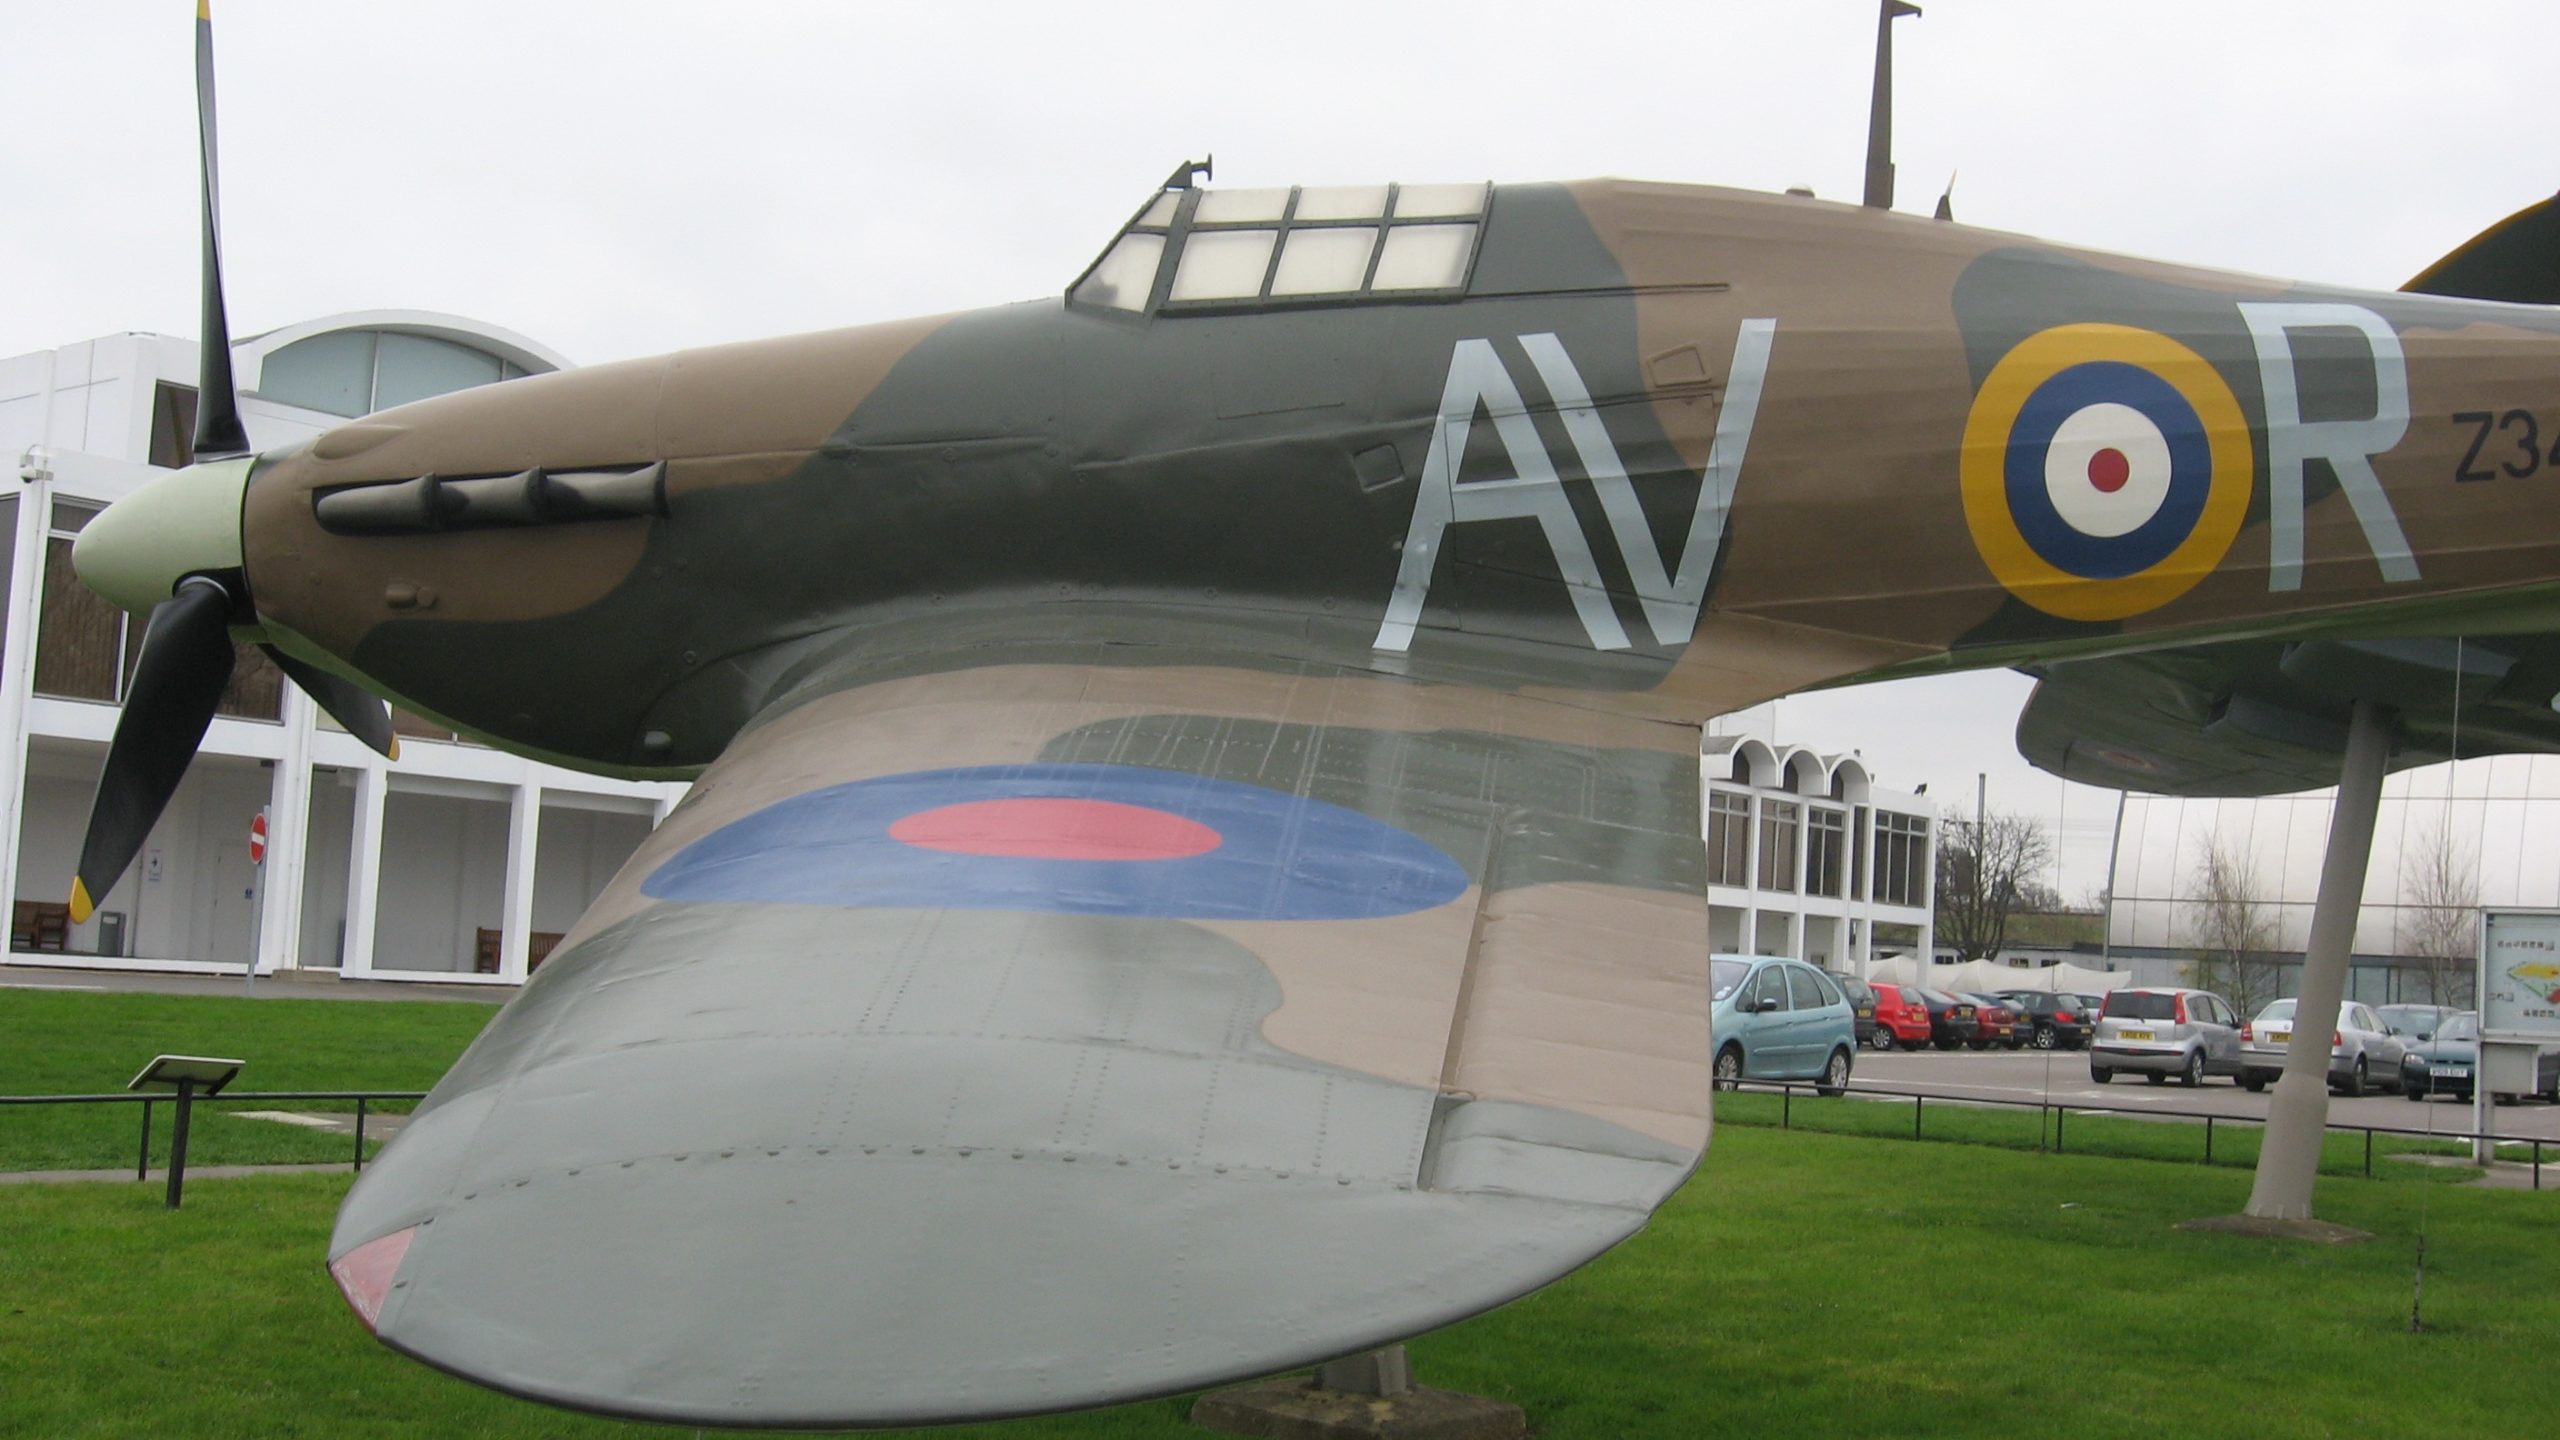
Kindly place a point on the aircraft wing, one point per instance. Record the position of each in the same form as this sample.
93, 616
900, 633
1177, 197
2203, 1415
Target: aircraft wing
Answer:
1046, 1035
2270, 717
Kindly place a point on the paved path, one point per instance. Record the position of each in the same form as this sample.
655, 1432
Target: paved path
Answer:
2061, 1077
194, 1172
300, 985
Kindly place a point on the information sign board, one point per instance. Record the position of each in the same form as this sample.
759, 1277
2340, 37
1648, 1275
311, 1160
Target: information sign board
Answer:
2520, 975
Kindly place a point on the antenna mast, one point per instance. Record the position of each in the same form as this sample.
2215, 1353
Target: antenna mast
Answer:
1880, 107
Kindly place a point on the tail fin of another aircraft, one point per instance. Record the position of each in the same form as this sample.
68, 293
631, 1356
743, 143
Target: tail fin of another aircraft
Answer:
2517, 259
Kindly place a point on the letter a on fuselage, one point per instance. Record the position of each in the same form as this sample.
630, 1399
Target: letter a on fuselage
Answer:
1670, 595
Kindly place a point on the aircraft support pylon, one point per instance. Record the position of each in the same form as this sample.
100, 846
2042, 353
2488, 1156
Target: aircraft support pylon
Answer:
2298, 1112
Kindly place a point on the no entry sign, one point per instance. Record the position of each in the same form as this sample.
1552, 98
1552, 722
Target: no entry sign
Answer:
258, 839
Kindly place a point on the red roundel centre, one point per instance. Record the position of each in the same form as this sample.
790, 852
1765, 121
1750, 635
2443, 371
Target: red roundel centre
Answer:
1056, 828
2109, 469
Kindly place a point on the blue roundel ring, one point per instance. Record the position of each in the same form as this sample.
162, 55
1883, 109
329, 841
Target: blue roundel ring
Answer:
1246, 852
2196, 458
2066, 394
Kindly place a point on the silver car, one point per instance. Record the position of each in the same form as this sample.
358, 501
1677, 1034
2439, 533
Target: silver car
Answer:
2160, 1033
2362, 1050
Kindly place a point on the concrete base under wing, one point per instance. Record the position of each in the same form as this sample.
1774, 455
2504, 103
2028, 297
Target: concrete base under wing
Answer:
756, 1164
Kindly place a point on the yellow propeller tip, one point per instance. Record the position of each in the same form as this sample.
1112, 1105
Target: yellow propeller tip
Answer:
394, 752
82, 907
204, 9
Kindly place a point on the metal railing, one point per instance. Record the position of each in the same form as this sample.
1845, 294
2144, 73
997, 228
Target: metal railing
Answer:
2059, 1110
142, 1156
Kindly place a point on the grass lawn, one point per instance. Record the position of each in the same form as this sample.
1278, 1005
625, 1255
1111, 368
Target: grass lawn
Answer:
1803, 1283
75, 1042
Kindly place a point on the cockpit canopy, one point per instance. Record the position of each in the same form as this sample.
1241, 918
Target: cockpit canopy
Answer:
1191, 249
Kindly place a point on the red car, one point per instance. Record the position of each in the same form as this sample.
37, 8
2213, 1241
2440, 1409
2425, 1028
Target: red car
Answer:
1996, 1022
1900, 1018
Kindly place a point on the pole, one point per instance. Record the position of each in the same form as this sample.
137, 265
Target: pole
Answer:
178, 1141
257, 926
2107, 931
2298, 1112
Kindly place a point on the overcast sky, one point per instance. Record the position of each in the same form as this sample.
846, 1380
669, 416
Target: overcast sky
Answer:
623, 179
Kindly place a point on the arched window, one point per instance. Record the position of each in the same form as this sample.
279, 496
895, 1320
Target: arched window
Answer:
356, 372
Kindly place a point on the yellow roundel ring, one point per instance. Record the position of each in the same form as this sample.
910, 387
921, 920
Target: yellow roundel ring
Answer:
2106, 469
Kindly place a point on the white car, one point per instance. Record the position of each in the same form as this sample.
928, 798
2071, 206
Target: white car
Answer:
2362, 1050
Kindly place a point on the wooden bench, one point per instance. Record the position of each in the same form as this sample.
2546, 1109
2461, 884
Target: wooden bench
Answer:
538, 948
40, 925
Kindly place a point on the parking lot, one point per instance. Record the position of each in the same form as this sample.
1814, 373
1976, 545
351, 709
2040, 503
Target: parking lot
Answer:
2062, 1077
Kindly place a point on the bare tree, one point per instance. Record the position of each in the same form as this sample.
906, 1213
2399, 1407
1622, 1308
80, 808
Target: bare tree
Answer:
2231, 930
2440, 916
1986, 873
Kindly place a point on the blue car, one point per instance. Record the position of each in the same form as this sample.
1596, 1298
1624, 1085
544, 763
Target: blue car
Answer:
1779, 1019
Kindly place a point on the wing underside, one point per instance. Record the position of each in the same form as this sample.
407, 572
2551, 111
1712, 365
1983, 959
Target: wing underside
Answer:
2270, 717
1052, 1036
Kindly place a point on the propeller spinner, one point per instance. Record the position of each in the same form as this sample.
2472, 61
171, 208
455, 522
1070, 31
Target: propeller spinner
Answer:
172, 550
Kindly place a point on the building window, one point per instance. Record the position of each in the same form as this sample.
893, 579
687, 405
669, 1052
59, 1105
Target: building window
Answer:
1777, 845
1902, 858
83, 650
356, 372
173, 425
1826, 850
1858, 851
1728, 839
86, 647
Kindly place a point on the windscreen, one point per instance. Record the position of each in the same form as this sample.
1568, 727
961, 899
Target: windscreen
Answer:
2280, 1010
1725, 974
2461, 1027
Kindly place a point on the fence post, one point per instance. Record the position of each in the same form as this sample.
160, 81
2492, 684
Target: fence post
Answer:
2208, 1139
1787, 1108
2537, 1164
2368, 1153
142, 1162
359, 1165
1916, 1102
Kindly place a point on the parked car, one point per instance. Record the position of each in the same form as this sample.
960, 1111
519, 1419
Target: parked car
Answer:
1779, 1019
2448, 1063
1901, 1018
1995, 1022
2413, 1023
2055, 1021
1862, 1003
2361, 1053
1951, 1021
2160, 1033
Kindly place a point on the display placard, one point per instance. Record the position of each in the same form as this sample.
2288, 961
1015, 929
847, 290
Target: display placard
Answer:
2520, 974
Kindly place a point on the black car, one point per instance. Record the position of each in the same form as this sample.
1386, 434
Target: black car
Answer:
1862, 1004
2061, 1022
1951, 1021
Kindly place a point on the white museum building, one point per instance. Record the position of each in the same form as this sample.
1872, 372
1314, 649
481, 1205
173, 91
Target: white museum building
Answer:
1807, 856
2446, 838
457, 863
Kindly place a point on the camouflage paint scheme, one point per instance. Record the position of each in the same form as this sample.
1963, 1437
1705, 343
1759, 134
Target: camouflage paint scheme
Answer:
778, 1163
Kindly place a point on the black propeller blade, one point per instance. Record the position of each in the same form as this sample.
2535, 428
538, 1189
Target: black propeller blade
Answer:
186, 651
364, 716
177, 683
218, 430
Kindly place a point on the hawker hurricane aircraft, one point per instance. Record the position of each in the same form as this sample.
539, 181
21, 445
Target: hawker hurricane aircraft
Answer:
1194, 861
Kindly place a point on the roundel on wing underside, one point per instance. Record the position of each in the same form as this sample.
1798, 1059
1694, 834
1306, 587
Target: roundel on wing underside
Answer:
1066, 839
2106, 470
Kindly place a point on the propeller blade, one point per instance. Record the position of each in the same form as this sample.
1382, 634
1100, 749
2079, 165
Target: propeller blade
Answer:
177, 683
219, 433
364, 716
